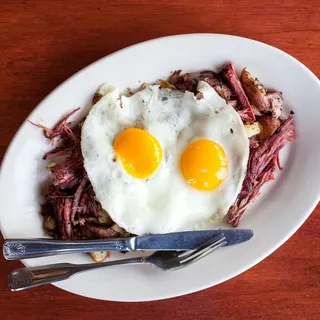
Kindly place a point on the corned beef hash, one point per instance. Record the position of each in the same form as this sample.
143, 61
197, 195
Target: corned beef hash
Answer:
174, 156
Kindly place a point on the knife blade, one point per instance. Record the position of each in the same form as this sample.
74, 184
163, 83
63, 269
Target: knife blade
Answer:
16, 249
189, 240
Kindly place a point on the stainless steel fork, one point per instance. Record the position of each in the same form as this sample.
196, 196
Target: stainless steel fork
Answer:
26, 278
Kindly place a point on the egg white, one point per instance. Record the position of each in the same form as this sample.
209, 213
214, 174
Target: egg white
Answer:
164, 202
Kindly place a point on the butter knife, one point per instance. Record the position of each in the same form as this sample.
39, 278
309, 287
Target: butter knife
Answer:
16, 249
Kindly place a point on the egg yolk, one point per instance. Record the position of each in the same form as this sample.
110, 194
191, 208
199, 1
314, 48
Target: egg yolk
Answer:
204, 165
139, 152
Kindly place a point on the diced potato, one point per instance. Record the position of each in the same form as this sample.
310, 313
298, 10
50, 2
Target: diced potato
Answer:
254, 90
144, 85
268, 125
252, 129
122, 232
247, 79
51, 164
99, 256
104, 217
49, 223
166, 84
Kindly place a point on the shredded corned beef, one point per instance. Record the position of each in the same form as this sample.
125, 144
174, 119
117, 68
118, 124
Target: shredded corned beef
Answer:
246, 113
260, 169
183, 82
71, 210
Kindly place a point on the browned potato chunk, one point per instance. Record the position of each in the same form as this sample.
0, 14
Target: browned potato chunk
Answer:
49, 223
268, 127
97, 96
254, 90
104, 217
99, 256
166, 84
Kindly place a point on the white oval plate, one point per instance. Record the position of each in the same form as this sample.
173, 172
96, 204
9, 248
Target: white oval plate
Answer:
281, 209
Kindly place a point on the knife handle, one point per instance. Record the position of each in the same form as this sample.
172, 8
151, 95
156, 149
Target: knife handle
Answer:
17, 249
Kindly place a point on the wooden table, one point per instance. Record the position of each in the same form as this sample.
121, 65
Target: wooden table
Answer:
44, 42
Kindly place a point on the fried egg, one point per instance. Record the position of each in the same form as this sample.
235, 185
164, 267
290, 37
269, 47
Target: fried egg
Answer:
162, 161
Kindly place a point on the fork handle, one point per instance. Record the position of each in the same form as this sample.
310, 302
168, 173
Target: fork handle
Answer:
30, 277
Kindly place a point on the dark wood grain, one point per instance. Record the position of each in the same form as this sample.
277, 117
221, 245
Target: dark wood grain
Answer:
44, 42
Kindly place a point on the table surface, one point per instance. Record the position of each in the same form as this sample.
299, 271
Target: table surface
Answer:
42, 43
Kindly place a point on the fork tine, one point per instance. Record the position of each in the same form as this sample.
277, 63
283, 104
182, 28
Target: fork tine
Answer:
202, 250
204, 246
204, 253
